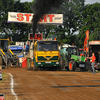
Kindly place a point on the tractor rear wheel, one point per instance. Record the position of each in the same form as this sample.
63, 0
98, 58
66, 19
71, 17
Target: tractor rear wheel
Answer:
61, 62
72, 66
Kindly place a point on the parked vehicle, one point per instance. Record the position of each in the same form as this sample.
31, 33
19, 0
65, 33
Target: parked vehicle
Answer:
70, 59
7, 57
17, 50
45, 54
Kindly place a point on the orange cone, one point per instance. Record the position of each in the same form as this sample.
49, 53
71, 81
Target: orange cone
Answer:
24, 62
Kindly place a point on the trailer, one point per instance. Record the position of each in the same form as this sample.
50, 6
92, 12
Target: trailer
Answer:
94, 47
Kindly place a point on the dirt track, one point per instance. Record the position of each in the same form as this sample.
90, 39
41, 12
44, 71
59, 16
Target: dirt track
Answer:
53, 85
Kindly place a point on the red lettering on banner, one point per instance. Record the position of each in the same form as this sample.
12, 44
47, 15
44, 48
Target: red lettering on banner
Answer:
27, 16
20, 17
44, 18
41, 19
51, 16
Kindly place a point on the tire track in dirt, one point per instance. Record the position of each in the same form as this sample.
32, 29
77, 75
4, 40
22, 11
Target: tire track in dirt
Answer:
55, 85
12, 87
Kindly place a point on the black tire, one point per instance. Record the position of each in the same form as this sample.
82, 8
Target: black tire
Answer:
35, 67
29, 64
87, 66
82, 69
61, 63
1, 61
59, 68
72, 66
8, 64
17, 63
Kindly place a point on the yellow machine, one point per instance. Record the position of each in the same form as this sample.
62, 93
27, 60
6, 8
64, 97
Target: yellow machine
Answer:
46, 54
6, 55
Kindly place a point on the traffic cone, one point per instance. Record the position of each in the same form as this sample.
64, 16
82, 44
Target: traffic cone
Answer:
24, 62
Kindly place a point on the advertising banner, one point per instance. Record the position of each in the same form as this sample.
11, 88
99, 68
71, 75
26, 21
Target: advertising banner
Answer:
19, 17
94, 43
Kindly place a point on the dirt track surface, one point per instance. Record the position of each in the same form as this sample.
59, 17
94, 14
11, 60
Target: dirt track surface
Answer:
53, 85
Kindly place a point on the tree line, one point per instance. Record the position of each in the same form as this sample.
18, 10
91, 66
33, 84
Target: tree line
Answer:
77, 18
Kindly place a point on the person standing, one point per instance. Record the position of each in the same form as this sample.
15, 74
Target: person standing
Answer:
93, 60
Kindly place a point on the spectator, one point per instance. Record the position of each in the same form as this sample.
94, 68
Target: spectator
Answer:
93, 60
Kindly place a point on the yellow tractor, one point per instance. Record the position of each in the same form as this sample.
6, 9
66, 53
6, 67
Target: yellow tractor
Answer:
7, 57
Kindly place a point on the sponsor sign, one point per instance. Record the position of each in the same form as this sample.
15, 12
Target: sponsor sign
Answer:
2, 97
94, 43
19, 43
38, 36
27, 18
16, 48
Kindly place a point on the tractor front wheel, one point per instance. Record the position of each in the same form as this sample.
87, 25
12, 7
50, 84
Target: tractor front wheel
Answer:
72, 66
61, 63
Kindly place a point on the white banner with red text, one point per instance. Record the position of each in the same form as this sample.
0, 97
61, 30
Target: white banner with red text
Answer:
19, 17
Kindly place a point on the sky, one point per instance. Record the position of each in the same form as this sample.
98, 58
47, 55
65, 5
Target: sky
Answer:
87, 1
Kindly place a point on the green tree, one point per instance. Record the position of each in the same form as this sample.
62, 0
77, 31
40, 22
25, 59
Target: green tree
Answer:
71, 12
5, 6
18, 30
90, 20
72, 18
64, 33
95, 35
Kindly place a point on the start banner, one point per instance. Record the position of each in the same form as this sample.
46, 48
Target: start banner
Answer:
19, 17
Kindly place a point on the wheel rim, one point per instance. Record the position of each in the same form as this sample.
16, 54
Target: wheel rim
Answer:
70, 66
